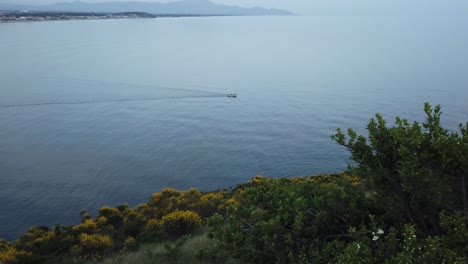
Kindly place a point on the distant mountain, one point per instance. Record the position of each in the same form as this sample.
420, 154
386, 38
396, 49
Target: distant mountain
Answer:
188, 7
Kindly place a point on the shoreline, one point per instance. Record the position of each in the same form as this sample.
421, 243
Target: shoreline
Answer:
61, 20
24, 17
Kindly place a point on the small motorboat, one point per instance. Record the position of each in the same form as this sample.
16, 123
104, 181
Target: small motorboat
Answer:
233, 95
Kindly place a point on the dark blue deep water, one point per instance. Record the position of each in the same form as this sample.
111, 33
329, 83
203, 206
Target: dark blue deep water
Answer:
297, 78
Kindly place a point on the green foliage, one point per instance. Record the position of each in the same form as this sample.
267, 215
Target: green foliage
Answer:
456, 233
399, 246
279, 220
416, 170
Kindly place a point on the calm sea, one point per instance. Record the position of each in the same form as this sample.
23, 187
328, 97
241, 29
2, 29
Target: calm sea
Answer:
297, 80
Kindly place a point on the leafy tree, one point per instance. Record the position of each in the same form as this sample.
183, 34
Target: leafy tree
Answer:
416, 170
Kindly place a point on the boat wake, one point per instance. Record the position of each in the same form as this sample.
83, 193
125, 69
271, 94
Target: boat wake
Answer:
49, 91
105, 101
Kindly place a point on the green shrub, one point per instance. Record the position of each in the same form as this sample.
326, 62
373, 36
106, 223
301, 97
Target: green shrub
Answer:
279, 220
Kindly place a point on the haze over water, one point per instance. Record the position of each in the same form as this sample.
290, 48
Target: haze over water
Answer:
297, 78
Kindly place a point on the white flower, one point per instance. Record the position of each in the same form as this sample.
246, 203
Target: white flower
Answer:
358, 246
380, 231
375, 238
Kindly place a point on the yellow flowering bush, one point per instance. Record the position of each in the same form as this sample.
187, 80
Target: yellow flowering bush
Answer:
180, 223
10, 255
50, 235
89, 226
170, 200
92, 246
257, 180
170, 192
210, 203
148, 211
113, 215
188, 200
152, 225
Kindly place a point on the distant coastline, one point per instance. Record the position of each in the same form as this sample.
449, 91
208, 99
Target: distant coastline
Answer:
19, 17
78, 10
176, 8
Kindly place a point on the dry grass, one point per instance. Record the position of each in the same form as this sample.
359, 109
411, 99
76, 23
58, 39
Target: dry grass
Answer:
182, 251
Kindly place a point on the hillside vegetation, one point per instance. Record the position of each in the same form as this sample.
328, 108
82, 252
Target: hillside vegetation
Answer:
404, 200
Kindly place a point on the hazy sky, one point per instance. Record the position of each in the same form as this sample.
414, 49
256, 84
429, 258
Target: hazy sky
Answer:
327, 6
